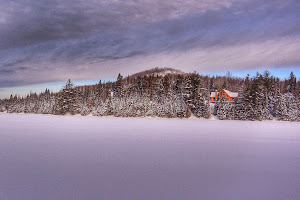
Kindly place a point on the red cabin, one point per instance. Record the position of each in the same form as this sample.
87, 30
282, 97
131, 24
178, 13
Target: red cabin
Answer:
227, 94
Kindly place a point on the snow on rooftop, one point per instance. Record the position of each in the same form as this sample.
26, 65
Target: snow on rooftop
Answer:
231, 94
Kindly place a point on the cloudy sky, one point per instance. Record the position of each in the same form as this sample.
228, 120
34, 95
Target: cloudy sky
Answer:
50, 41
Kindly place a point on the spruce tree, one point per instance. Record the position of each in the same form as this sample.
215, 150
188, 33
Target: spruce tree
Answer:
292, 83
67, 100
220, 108
281, 108
260, 99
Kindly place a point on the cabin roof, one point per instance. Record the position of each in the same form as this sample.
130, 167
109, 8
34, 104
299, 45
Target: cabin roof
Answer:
231, 94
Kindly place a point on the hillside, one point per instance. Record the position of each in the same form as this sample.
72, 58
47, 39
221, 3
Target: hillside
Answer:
157, 72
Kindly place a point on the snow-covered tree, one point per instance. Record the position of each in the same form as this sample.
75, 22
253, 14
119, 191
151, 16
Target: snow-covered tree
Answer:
67, 100
260, 99
224, 109
281, 108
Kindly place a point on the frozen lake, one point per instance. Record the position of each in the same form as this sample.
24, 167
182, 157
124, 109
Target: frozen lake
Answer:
46, 157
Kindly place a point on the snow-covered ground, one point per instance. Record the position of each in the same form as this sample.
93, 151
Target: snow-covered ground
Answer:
46, 157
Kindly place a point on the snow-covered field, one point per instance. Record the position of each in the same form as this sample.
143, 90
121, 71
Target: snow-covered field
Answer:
46, 157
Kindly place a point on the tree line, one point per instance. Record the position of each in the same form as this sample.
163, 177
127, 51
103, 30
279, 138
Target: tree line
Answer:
261, 97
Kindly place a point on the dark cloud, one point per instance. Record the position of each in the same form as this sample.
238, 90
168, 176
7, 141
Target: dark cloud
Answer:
11, 64
74, 36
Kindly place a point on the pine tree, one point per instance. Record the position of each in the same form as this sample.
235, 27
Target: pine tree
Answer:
219, 109
281, 109
187, 93
240, 106
292, 107
224, 109
2, 107
292, 82
67, 100
244, 107
202, 103
260, 99
119, 91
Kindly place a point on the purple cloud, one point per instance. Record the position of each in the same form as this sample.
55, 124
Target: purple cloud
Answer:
45, 41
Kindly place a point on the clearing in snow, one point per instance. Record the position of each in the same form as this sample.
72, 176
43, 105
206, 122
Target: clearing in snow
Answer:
72, 157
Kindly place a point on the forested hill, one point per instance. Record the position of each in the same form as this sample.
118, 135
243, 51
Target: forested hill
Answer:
169, 93
157, 72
